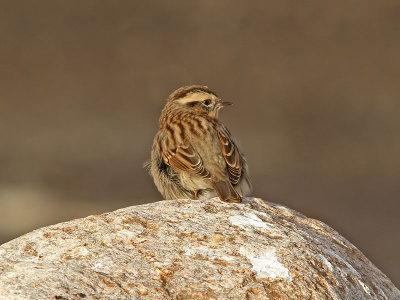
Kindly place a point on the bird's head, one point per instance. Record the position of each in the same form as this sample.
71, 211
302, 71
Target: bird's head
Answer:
198, 98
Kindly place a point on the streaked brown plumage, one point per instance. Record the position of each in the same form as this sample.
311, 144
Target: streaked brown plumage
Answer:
193, 154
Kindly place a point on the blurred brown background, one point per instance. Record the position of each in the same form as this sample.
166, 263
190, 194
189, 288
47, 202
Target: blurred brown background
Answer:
315, 86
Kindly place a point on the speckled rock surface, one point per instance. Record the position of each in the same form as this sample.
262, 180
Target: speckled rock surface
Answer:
187, 249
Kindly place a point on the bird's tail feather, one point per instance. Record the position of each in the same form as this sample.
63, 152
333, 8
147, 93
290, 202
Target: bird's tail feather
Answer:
226, 192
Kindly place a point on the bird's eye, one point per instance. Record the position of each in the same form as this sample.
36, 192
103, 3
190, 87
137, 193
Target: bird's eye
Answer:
207, 102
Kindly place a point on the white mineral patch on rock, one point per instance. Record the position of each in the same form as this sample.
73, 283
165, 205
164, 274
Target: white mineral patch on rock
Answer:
363, 285
265, 264
248, 220
97, 266
83, 251
349, 266
126, 233
326, 262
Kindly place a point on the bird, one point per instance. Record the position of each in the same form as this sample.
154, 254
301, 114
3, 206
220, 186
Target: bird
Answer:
193, 153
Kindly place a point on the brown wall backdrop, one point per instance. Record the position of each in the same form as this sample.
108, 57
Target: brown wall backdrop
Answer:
316, 87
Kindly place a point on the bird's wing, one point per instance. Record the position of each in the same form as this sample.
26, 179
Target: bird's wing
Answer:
231, 155
184, 158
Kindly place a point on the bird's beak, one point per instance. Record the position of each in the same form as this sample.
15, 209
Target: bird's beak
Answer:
224, 103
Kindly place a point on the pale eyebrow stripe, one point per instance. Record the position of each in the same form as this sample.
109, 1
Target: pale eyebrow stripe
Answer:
189, 98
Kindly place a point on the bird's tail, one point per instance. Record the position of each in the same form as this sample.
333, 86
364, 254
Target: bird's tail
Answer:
226, 192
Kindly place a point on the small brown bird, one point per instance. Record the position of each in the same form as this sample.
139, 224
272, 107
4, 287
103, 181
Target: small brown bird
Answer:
193, 154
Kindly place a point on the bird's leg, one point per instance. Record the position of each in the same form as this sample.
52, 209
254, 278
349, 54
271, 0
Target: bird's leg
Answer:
195, 194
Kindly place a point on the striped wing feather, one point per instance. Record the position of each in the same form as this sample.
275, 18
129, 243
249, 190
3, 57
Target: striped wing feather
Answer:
231, 155
186, 159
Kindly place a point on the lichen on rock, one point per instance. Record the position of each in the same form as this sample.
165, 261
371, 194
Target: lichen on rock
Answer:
188, 249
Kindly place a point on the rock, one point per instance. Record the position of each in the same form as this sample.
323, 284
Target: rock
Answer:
188, 249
